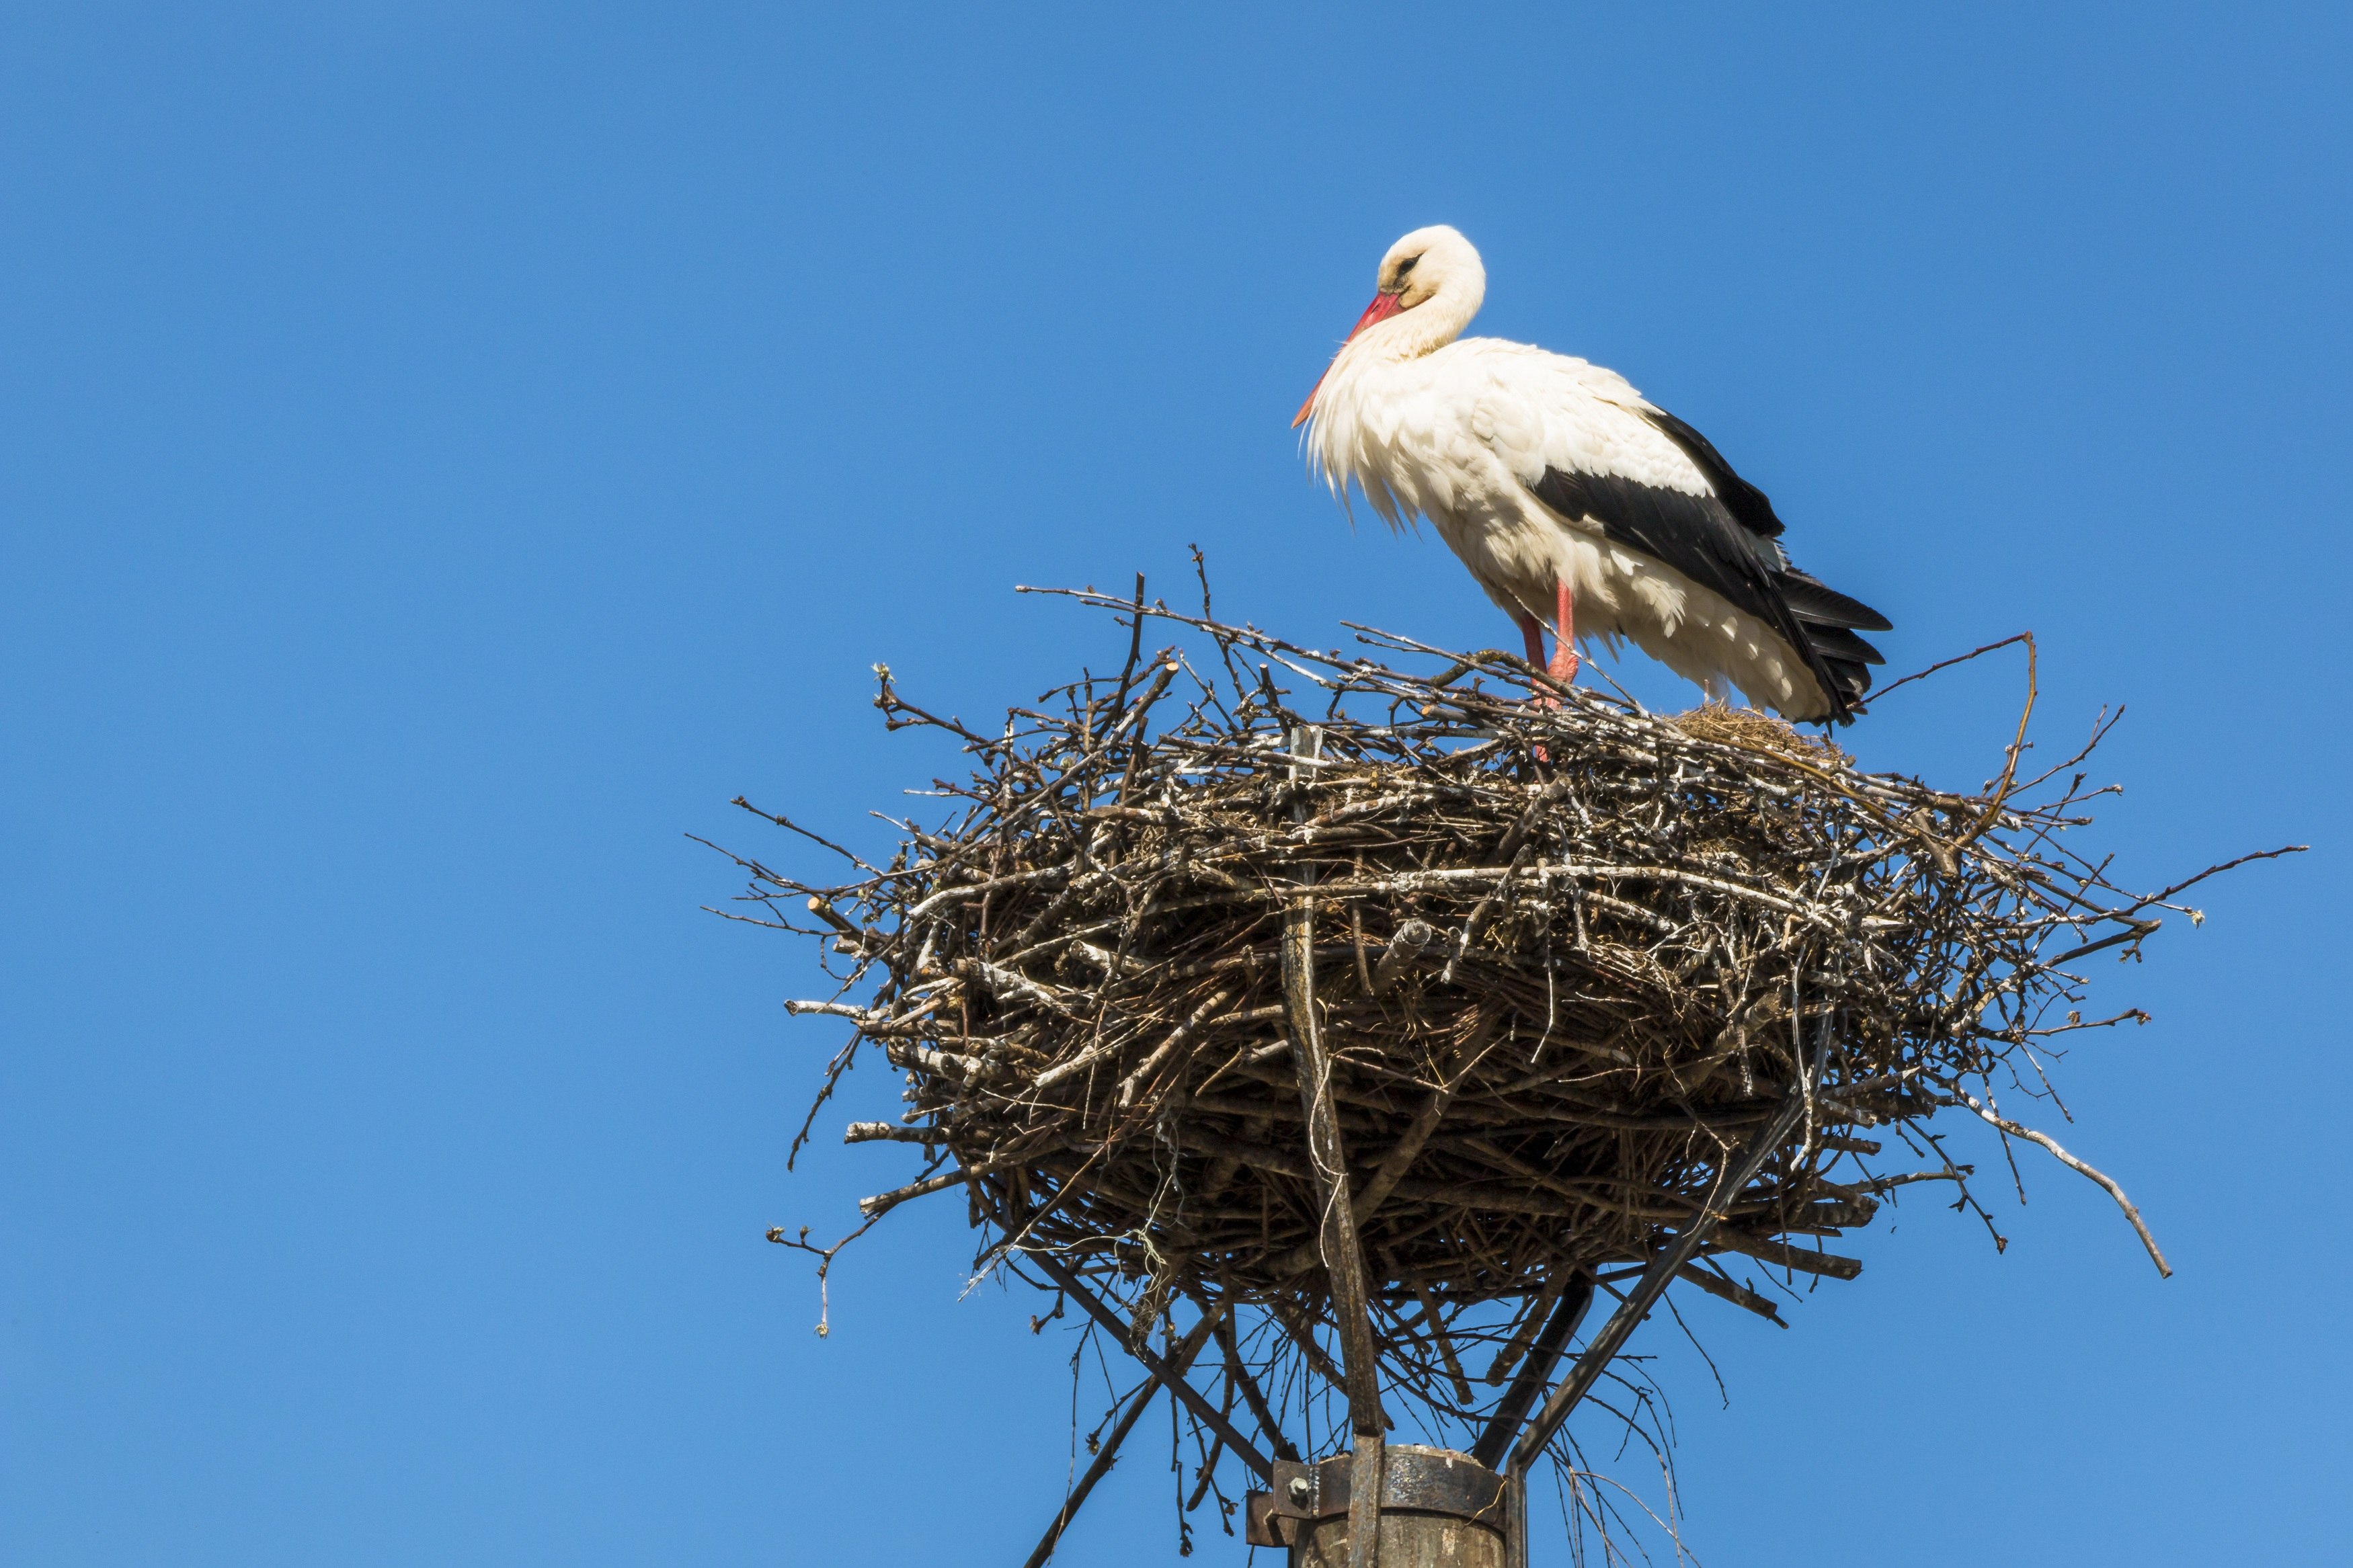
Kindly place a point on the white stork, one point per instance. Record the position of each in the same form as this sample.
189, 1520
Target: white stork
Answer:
1572, 499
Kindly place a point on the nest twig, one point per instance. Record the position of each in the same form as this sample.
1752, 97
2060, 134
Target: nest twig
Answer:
1568, 953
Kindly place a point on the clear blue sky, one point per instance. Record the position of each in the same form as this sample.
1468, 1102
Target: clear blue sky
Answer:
450, 451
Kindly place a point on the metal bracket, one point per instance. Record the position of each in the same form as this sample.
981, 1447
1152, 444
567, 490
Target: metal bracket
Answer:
1414, 1479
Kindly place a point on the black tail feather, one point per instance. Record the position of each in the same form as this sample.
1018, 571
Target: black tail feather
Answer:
1811, 600
1837, 642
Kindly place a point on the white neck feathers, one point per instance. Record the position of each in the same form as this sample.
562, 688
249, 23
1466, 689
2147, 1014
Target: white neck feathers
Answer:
1335, 433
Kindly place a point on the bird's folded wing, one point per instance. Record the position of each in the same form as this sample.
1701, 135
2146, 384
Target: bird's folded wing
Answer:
1657, 486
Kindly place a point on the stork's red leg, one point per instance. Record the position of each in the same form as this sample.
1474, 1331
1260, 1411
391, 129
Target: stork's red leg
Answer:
1562, 667
1532, 633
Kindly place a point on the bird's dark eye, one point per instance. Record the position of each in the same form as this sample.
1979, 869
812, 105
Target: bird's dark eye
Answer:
1407, 265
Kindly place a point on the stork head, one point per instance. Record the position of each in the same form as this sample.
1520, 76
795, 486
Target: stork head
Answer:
1429, 261
1433, 266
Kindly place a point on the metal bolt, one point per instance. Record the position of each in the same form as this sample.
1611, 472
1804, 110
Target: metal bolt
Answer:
1300, 1491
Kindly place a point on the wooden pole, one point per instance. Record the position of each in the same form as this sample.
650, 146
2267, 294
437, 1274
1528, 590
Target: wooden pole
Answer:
1438, 1508
1409, 1540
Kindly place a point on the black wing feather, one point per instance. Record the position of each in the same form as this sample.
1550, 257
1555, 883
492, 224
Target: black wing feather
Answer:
1725, 542
1744, 500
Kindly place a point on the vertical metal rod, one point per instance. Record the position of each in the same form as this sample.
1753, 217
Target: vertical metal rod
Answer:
1365, 1479
1344, 1257
1515, 1518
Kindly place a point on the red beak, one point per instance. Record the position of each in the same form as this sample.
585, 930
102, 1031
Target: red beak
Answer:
1383, 307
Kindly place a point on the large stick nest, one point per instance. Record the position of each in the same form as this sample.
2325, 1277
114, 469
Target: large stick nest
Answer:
1568, 955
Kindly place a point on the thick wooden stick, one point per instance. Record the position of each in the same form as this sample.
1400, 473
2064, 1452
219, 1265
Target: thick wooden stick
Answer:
1239, 1377
1538, 1314
1445, 1343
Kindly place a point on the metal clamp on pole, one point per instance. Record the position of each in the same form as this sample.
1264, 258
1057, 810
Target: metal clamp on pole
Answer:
1435, 1505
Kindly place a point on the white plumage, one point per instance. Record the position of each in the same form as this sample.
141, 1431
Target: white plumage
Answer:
1571, 498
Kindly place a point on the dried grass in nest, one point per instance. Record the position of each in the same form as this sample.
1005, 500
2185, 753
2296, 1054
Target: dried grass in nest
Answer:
1567, 953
